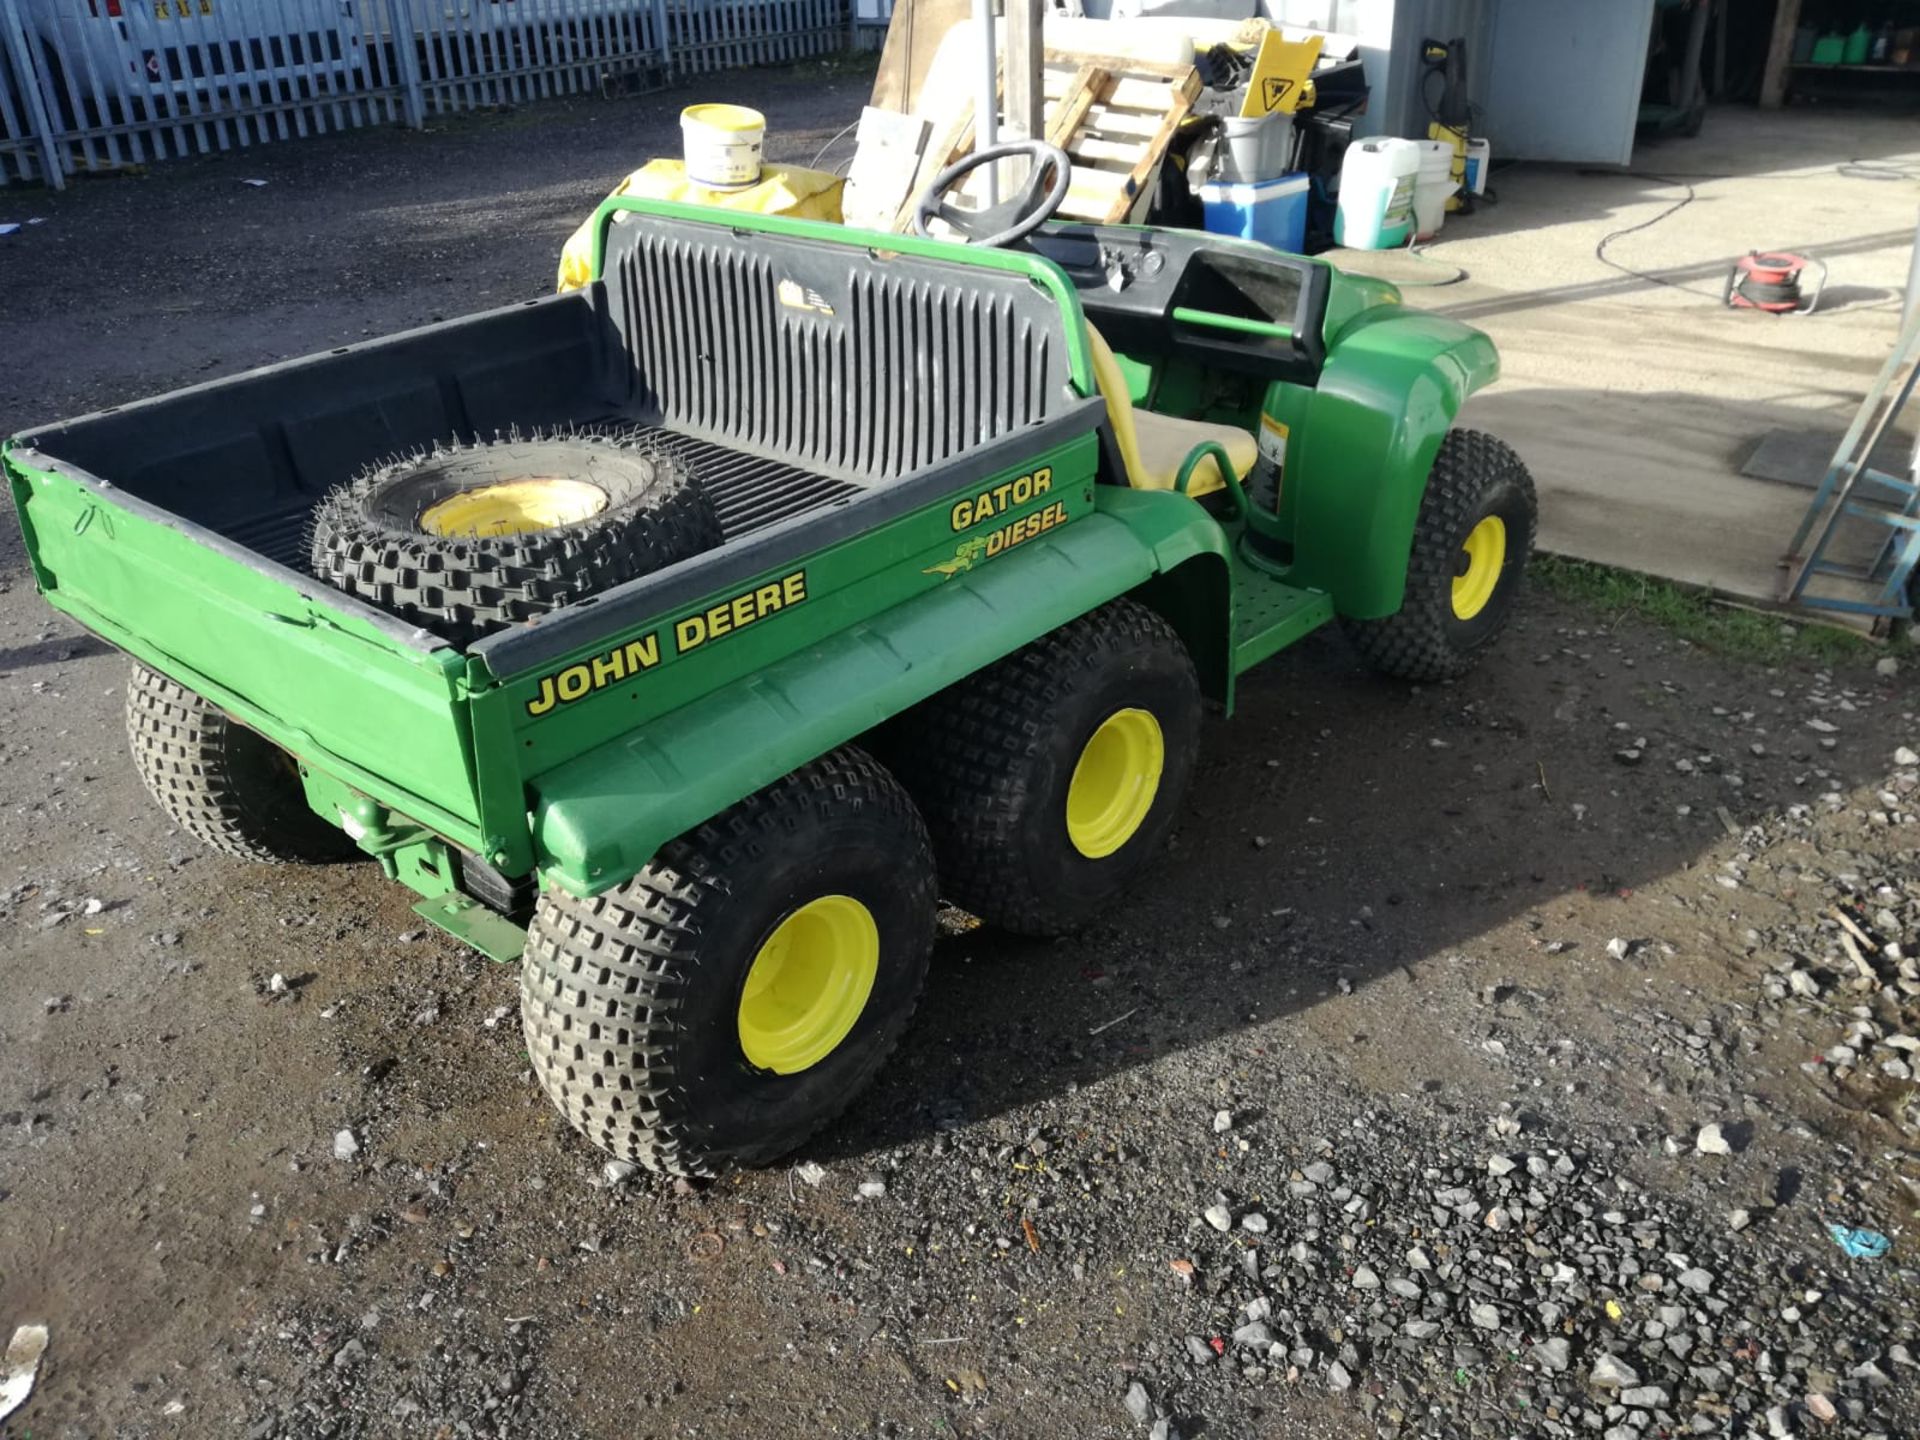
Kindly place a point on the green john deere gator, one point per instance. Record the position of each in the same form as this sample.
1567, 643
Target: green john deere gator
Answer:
814, 574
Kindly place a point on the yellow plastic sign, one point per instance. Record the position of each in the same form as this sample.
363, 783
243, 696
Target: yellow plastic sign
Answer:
1280, 74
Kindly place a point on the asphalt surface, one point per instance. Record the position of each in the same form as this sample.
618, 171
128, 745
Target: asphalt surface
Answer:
1413, 935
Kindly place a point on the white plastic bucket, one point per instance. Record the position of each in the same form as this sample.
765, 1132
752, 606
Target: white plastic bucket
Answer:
1432, 184
1376, 194
1254, 148
722, 144
1479, 161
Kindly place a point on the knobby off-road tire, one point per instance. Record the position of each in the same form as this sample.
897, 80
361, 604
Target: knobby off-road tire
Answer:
634, 1003
1477, 487
227, 786
992, 762
568, 518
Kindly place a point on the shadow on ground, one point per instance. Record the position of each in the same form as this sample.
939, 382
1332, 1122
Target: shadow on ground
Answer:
1342, 827
50, 652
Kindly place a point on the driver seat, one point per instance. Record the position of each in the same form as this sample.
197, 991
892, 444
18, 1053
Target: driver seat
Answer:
1153, 447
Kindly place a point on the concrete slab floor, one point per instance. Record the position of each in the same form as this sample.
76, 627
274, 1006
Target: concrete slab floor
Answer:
1633, 393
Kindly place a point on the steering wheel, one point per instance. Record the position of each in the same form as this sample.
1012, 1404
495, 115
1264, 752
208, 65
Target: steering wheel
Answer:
1010, 220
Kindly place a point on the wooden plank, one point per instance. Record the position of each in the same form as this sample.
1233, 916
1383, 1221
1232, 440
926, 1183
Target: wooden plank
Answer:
1134, 92
1092, 194
1119, 64
1773, 80
1092, 150
913, 36
1080, 206
884, 166
1072, 109
1025, 109
1057, 80
942, 150
1122, 124
1092, 180
1185, 93
1062, 83
1719, 50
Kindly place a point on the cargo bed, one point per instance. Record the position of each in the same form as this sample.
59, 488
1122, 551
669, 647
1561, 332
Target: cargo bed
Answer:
820, 394
243, 462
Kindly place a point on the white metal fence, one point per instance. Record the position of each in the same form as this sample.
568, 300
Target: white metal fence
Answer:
101, 84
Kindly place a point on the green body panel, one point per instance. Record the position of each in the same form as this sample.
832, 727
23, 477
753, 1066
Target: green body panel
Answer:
836, 587
601, 816
1352, 296
1269, 615
467, 920
1357, 462
317, 681
1193, 391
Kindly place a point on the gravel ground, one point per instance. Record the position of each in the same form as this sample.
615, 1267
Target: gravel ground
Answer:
1488, 1059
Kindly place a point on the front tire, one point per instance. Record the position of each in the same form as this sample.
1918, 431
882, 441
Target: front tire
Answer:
229, 787
1050, 779
736, 994
1468, 565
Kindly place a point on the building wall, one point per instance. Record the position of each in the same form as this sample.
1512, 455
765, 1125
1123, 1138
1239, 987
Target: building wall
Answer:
1546, 79
1565, 79
1389, 33
1370, 22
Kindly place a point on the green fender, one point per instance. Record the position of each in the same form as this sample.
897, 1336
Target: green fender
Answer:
597, 819
1393, 382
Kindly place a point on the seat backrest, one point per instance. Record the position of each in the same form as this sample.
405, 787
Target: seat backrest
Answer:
828, 355
1112, 381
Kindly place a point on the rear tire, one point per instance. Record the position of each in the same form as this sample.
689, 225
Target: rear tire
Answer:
229, 787
1106, 709
1460, 592
736, 994
473, 539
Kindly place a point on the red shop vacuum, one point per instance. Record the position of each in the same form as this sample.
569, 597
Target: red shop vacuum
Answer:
1770, 280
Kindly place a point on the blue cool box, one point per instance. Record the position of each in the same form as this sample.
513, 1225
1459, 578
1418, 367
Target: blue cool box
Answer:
1273, 212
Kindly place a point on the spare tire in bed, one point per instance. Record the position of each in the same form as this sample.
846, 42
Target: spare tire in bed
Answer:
469, 539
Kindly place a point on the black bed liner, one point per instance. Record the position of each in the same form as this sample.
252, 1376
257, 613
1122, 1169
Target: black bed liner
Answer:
751, 492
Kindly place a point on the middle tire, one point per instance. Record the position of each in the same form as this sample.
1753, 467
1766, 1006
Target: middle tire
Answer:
735, 995
472, 539
1050, 778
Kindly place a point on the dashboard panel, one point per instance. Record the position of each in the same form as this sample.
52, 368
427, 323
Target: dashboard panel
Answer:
1231, 304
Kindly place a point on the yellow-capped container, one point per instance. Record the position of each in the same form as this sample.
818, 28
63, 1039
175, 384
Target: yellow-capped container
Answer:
723, 145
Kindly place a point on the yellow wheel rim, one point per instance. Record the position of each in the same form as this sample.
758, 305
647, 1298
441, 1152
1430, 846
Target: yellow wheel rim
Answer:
808, 984
1114, 782
514, 507
1482, 557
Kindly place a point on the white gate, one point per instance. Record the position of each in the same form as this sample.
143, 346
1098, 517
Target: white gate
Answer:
102, 84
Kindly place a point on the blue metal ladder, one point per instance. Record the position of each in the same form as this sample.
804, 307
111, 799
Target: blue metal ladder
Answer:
1852, 490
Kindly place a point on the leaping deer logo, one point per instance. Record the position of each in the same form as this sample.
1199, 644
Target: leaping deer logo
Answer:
965, 557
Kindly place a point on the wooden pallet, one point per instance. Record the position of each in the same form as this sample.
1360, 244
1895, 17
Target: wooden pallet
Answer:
1113, 115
